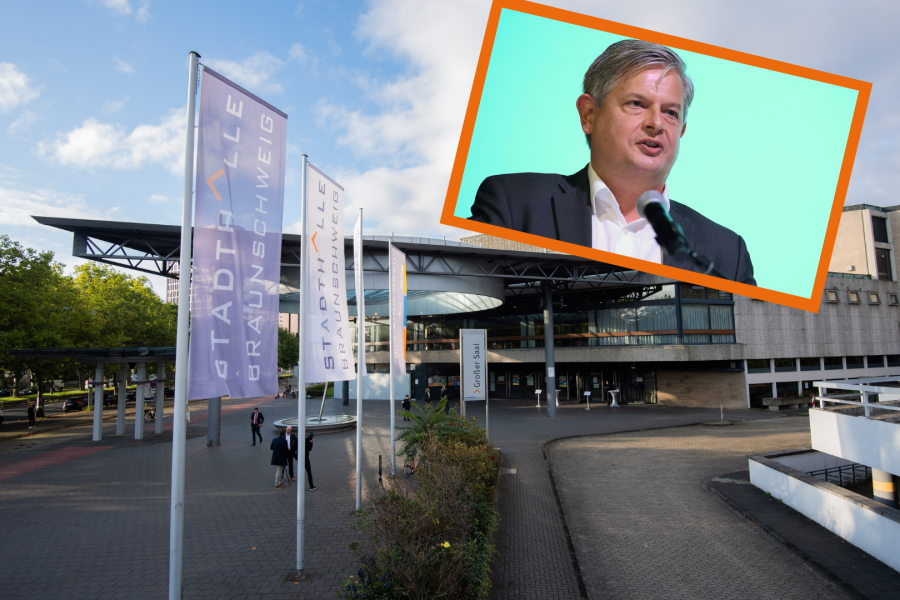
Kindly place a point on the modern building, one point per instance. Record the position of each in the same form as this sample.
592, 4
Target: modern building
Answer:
654, 339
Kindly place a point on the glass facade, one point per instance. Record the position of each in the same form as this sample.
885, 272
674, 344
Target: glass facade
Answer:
654, 316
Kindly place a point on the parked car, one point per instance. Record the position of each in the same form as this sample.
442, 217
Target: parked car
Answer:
74, 404
29, 390
110, 399
5, 393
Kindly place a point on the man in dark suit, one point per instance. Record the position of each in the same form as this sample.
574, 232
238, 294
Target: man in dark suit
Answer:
280, 457
309, 446
291, 440
633, 114
256, 419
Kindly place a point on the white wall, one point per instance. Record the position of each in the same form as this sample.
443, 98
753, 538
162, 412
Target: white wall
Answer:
863, 527
872, 443
377, 386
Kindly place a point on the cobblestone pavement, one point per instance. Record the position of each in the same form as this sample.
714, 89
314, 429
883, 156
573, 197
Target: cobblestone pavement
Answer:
97, 526
644, 528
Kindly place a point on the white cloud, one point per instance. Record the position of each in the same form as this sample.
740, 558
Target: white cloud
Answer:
123, 66
159, 199
23, 123
106, 145
17, 206
121, 7
114, 106
143, 13
254, 73
15, 87
298, 53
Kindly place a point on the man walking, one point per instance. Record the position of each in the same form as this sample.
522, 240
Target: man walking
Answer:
309, 445
406, 404
31, 414
256, 419
279, 459
291, 440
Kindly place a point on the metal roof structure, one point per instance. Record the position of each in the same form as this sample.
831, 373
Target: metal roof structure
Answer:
95, 355
156, 249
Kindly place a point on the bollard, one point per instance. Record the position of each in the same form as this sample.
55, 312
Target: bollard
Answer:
379, 468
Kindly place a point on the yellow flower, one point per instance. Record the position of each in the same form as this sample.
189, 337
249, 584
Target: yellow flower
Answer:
436, 522
446, 544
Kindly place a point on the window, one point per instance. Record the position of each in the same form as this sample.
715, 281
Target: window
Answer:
883, 262
854, 297
855, 362
875, 361
759, 391
760, 365
833, 363
783, 365
879, 230
874, 299
810, 364
893, 299
893, 360
831, 296
785, 389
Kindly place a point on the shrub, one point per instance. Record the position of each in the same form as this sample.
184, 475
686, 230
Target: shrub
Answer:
430, 536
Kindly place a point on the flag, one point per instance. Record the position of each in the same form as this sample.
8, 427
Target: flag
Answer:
398, 310
360, 296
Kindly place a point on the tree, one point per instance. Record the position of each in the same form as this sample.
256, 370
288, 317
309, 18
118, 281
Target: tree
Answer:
288, 348
41, 309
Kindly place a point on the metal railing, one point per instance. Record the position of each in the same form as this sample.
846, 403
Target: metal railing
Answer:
844, 476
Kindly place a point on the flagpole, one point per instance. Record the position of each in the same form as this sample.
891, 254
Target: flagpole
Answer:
179, 427
360, 364
391, 343
301, 368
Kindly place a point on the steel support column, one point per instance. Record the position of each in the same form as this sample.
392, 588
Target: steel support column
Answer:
139, 403
160, 395
99, 378
549, 360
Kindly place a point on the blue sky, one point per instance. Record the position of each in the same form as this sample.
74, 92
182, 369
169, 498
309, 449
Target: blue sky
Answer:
92, 95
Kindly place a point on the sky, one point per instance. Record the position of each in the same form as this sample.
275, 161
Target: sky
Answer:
93, 95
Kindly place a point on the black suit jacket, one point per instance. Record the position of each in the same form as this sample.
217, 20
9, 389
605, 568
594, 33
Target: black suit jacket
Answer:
293, 449
260, 421
559, 207
279, 452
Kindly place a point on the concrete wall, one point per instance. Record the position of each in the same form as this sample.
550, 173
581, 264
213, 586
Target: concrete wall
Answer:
851, 247
872, 443
701, 389
864, 523
766, 330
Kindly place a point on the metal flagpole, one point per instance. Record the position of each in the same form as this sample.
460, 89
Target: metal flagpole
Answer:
179, 427
360, 353
391, 343
301, 366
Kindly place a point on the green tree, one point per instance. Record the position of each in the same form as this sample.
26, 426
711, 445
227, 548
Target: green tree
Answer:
288, 348
41, 309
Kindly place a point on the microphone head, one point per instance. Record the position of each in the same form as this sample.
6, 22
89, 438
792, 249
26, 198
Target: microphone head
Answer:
647, 198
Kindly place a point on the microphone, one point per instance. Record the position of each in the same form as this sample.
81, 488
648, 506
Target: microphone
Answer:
669, 234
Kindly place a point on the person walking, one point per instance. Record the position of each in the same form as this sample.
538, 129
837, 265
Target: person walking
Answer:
31, 414
256, 419
406, 406
428, 395
309, 445
291, 440
444, 394
279, 459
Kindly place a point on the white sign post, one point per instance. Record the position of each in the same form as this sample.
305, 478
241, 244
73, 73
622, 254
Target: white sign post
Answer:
473, 369
587, 397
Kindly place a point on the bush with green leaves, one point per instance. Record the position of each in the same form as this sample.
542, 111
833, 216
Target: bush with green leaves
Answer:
428, 421
430, 536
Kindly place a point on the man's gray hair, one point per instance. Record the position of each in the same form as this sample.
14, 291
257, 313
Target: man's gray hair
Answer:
629, 57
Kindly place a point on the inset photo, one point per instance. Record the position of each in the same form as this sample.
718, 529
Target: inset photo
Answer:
656, 153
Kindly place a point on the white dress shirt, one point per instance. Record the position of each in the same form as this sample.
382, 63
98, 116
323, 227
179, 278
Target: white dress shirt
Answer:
611, 233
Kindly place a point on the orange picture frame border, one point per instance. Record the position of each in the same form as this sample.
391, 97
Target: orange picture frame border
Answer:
811, 303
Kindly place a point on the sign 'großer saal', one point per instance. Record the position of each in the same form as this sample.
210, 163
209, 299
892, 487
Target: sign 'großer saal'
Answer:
473, 363
329, 350
237, 243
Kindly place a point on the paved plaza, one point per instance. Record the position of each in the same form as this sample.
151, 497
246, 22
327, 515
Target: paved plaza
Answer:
96, 525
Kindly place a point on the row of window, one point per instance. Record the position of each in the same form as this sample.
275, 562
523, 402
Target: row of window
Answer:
828, 363
833, 296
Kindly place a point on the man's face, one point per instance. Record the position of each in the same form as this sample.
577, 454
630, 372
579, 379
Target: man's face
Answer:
635, 134
288, 430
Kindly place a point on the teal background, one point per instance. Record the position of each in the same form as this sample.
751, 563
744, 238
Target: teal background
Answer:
761, 154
